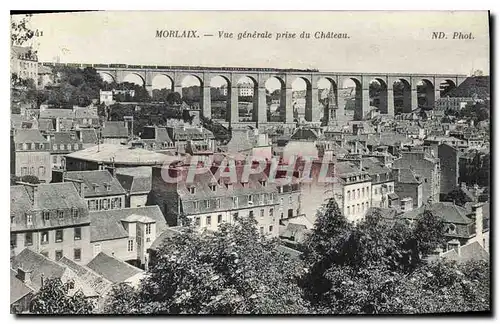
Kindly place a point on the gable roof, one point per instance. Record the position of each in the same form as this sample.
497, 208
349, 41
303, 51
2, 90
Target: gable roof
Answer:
39, 265
107, 224
114, 129
469, 252
95, 182
18, 289
50, 197
136, 180
448, 211
28, 136
91, 278
112, 269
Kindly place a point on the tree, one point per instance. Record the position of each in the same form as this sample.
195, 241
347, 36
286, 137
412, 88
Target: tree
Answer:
232, 271
174, 98
20, 32
123, 299
53, 298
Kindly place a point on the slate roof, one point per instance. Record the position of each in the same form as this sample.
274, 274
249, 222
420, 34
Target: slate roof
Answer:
107, 224
408, 176
135, 180
112, 269
18, 289
122, 154
448, 211
53, 113
95, 182
85, 112
52, 197
240, 141
114, 129
373, 166
45, 125
169, 232
305, 134
39, 266
88, 136
91, 278
28, 136
469, 252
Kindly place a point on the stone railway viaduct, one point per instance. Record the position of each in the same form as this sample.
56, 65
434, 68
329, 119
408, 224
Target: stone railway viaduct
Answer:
313, 110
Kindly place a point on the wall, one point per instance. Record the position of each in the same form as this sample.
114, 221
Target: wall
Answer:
448, 158
411, 190
358, 204
116, 248
32, 161
138, 200
67, 245
379, 194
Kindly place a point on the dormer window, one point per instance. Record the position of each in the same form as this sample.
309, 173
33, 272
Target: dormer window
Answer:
29, 219
212, 187
94, 186
192, 190
250, 200
263, 183
107, 186
54, 147
244, 184
25, 146
452, 229
46, 215
74, 212
60, 214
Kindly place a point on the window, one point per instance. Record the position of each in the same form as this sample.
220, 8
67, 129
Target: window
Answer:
271, 212
59, 255
74, 212
290, 199
217, 203
219, 219
192, 190
358, 195
45, 237
212, 187
206, 203
41, 171
270, 228
130, 245
78, 234
363, 192
235, 202
75, 147
235, 217
24, 171
60, 214
105, 204
59, 236
61, 146
148, 240
25, 146
195, 204
261, 213
197, 221
348, 210
261, 230
209, 221
362, 206
376, 191
357, 207
29, 219
250, 201
250, 213
13, 240
28, 239
281, 201
148, 228
77, 254
46, 215
348, 194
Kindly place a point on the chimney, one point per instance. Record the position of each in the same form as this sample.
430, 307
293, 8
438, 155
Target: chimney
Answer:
477, 216
397, 174
24, 275
58, 124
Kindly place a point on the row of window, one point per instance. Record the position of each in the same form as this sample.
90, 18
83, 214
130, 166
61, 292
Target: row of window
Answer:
213, 186
67, 147
30, 146
31, 171
44, 237
59, 213
358, 208
105, 203
359, 193
77, 255
357, 178
261, 229
208, 219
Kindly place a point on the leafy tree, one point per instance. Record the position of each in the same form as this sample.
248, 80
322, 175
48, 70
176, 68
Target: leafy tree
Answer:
457, 196
231, 271
174, 98
20, 32
53, 298
123, 299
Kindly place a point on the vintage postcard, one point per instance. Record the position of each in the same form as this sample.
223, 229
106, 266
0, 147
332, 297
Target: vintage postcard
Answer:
239, 162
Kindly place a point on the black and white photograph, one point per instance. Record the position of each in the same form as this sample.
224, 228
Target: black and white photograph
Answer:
250, 163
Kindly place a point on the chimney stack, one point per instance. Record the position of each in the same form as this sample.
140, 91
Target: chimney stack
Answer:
24, 275
477, 216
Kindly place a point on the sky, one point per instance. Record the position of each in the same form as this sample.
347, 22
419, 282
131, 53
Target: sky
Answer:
378, 41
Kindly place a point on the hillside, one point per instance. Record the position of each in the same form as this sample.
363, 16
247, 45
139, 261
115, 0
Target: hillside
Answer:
479, 85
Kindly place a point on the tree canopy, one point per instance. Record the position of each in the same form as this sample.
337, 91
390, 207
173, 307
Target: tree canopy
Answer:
53, 298
232, 271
